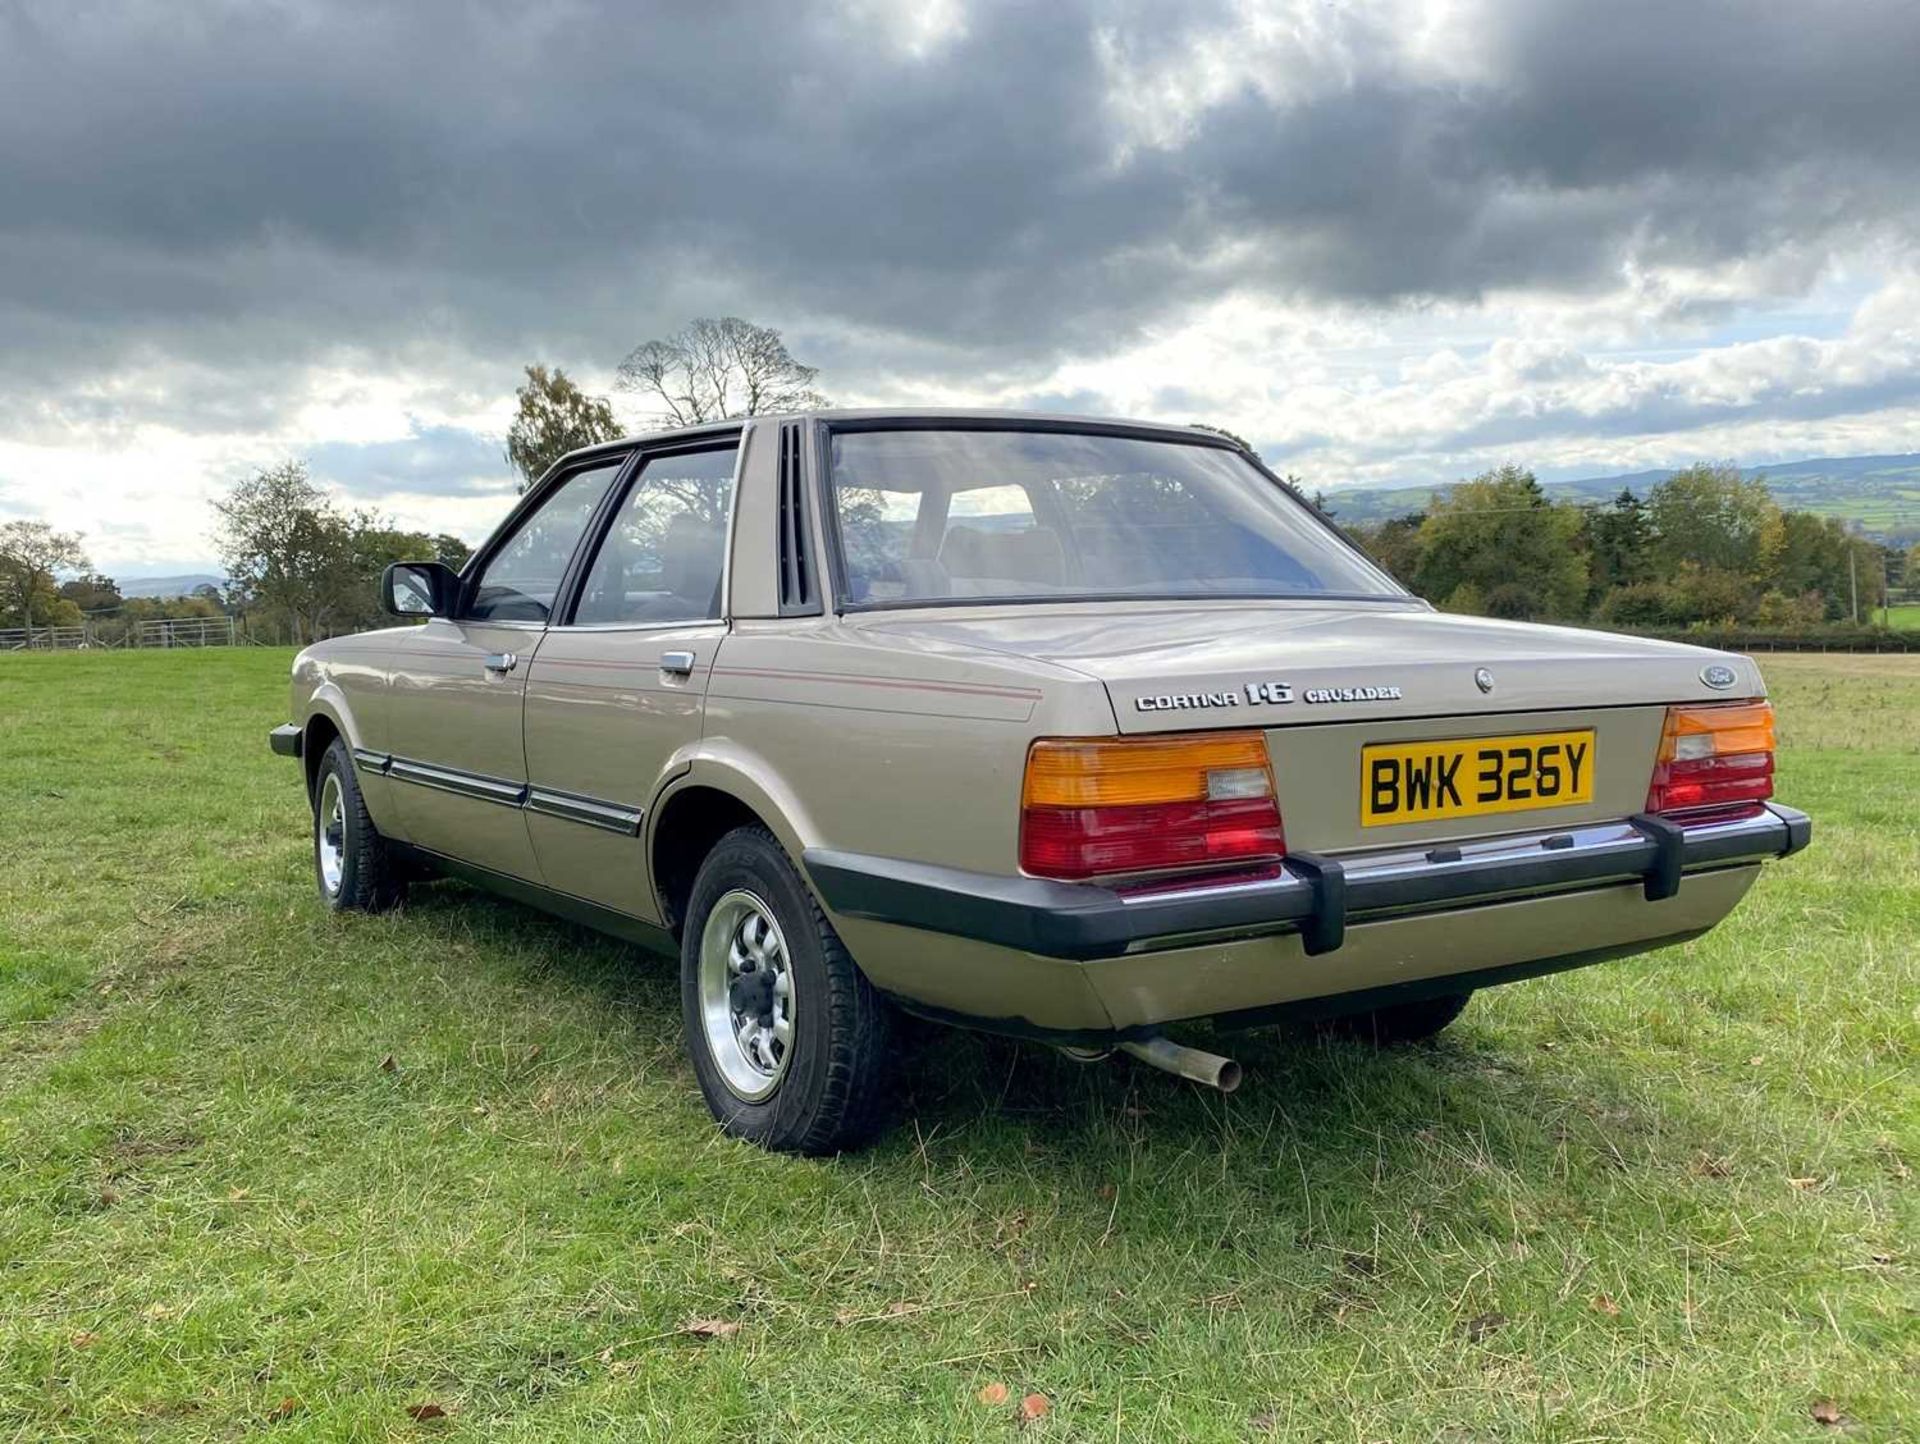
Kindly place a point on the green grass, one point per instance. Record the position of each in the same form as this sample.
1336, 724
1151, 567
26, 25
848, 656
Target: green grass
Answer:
1904, 617
268, 1173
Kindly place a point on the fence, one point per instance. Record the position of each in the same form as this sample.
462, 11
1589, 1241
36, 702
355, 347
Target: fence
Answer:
184, 632
155, 632
45, 639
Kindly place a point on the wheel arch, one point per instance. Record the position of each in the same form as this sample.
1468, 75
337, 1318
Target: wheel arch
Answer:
720, 790
325, 721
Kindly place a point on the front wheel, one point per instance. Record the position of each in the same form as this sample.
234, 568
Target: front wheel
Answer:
351, 861
1400, 1022
790, 1043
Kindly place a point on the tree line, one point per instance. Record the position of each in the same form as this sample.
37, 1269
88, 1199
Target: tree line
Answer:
1706, 547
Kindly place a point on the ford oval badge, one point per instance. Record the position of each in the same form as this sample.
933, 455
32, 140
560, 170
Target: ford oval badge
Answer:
1718, 676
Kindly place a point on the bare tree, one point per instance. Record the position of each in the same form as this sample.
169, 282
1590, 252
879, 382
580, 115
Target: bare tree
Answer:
716, 369
30, 553
555, 417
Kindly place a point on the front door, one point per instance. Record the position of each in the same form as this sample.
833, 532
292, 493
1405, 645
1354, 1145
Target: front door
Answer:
459, 688
615, 695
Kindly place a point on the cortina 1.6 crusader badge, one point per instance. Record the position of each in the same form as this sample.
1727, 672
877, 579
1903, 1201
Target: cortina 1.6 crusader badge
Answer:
1270, 693
1718, 676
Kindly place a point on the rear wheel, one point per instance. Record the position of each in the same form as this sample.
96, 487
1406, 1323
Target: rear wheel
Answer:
790, 1043
351, 861
1399, 1022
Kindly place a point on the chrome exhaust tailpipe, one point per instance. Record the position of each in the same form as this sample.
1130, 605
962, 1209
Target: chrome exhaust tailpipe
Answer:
1191, 1063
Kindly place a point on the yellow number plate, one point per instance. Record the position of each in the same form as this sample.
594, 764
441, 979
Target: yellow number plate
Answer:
1422, 781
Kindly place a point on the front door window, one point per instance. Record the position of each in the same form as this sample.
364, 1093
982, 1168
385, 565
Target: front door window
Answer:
522, 579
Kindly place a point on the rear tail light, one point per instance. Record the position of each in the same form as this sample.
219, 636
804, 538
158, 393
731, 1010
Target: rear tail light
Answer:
1714, 758
1112, 807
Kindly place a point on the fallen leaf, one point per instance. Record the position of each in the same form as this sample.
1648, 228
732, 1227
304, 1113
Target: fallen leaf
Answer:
1827, 1412
235, 1195
285, 1407
1481, 1325
1756, 1060
993, 1395
424, 1413
1803, 1183
1034, 1406
711, 1328
85, 1339
156, 1311
1604, 1304
387, 1065
109, 1195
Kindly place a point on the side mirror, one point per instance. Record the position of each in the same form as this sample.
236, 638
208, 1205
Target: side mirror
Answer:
418, 589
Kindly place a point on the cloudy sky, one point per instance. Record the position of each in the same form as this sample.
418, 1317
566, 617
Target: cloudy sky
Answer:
1383, 240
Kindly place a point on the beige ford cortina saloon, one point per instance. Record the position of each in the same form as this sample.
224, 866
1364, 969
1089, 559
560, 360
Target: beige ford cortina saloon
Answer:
1073, 730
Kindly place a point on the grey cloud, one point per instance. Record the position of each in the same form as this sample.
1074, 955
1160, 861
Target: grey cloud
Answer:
464, 188
433, 461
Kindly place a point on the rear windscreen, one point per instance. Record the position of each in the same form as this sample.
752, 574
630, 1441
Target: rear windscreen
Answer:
1005, 515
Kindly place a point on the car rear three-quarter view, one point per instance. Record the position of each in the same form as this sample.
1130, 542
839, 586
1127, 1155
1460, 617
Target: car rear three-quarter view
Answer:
1066, 729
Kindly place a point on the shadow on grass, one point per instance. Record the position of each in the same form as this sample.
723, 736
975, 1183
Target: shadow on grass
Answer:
1459, 1102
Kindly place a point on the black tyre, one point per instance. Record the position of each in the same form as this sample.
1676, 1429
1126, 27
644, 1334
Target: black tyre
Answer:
1400, 1022
791, 1044
351, 861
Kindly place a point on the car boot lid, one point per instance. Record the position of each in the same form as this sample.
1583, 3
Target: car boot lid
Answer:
1198, 665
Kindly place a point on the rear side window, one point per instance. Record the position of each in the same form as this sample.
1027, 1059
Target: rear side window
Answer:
663, 558
521, 580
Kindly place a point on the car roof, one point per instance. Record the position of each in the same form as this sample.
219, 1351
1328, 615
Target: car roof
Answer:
1048, 420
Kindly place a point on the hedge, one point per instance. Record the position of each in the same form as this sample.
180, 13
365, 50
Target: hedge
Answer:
1803, 639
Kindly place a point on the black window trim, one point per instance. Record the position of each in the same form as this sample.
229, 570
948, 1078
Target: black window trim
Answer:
800, 580
574, 581
826, 430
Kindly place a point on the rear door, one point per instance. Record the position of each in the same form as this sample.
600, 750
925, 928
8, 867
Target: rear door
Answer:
459, 686
616, 692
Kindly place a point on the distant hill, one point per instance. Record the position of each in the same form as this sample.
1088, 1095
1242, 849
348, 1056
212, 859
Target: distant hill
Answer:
1881, 493
181, 586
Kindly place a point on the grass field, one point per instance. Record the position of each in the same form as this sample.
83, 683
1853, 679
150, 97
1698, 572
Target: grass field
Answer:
265, 1172
1905, 617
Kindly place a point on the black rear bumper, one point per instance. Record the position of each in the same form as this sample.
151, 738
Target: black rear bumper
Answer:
1313, 895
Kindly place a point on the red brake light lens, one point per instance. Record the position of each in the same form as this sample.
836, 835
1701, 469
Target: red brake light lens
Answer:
1115, 807
1714, 759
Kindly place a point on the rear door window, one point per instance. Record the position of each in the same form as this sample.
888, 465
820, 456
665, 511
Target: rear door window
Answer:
663, 557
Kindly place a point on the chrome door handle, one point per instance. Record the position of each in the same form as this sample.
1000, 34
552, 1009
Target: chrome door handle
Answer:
501, 662
677, 664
